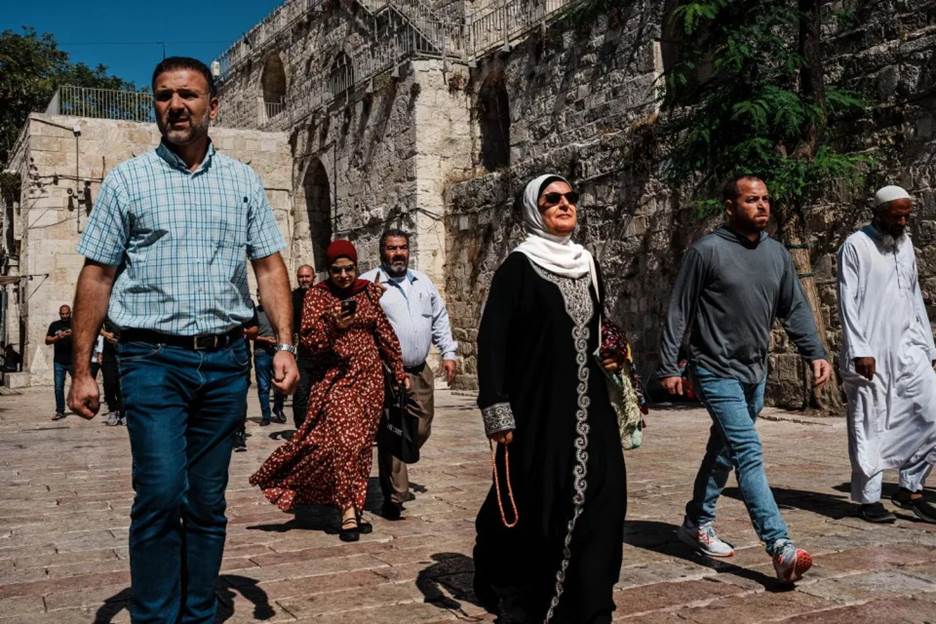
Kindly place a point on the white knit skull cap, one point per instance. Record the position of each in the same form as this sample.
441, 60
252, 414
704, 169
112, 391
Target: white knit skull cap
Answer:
887, 194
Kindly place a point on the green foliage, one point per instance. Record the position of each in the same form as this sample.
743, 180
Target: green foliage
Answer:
33, 67
737, 105
10, 185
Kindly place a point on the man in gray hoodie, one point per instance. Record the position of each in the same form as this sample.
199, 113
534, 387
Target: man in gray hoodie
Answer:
732, 284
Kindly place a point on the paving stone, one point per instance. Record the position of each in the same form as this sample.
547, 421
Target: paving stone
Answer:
757, 607
869, 586
410, 612
900, 611
877, 557
663, 596
21, 606
60, 598
64, 557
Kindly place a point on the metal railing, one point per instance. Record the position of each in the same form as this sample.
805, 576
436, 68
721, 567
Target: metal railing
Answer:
402, 29
274, 109
261, 35
501, 24
102, 104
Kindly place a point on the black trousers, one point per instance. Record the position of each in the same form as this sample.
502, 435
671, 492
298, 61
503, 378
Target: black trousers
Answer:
111, 385
301, 395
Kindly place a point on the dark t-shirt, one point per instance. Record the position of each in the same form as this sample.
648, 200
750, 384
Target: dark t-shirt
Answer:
304, 358
63, 348
298, 297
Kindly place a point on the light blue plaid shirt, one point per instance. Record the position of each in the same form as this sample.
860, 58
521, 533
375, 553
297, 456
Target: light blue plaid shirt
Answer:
180, 241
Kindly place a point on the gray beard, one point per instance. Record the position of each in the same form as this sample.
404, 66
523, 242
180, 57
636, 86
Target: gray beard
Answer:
890, 243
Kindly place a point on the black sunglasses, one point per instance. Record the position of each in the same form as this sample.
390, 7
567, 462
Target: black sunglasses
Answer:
338, 270
554, 198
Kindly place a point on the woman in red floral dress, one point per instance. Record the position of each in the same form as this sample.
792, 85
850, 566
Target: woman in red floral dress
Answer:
328, 460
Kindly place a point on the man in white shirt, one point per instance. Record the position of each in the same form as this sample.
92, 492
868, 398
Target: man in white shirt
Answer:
419, 319
887, 361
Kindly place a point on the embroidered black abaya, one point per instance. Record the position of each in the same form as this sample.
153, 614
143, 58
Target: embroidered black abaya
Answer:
536, 371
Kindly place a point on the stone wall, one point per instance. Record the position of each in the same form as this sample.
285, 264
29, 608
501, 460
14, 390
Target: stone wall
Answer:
581, 104
378, 154
49, 230
886, 52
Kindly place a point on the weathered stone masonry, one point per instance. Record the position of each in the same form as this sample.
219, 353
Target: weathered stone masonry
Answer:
581, 105
441, 139
47, 222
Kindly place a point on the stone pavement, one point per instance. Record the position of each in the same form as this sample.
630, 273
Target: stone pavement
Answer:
66, 493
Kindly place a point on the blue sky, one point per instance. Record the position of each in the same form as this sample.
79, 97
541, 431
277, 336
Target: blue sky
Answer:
123, 35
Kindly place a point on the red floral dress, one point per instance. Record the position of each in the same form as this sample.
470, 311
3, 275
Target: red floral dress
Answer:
329, 459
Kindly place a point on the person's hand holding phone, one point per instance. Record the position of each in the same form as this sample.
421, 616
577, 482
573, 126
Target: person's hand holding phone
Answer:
345, 313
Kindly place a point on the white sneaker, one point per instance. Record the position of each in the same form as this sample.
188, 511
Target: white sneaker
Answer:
112, 419
704, 539
790, 562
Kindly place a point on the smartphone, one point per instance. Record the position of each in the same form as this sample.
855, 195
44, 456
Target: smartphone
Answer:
348, 307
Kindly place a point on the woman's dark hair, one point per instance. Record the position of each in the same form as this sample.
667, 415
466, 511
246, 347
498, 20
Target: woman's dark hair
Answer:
185, 62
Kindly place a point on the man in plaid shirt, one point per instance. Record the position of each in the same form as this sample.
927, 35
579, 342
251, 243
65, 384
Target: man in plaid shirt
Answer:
165, 260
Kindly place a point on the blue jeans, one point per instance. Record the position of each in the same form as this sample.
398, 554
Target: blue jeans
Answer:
734, 443
60, 370
263, 367
182, 407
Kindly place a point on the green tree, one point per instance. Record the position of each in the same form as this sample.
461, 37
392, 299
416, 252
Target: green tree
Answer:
747, 94
33, 67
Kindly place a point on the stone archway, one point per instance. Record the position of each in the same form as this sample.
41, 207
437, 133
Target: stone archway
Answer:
318, 209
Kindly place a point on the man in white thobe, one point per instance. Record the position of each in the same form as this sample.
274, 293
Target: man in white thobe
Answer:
887, 361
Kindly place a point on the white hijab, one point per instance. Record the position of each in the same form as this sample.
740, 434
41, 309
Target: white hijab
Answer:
556, 254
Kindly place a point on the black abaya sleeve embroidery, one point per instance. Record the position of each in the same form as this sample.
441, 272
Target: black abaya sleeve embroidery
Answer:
498, 417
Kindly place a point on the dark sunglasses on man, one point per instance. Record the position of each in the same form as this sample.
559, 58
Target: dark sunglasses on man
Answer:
552, 199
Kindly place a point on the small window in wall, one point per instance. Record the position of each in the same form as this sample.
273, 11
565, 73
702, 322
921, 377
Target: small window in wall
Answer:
274, 85
494, 122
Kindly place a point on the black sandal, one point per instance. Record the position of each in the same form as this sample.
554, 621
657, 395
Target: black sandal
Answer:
349, 532
364, 527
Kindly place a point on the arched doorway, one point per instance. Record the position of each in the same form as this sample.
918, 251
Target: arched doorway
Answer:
318, 207
494, 122
273, 81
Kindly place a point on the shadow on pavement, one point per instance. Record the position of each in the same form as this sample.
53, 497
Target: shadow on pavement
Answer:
323, 517
305, 518
249, 589
283, 434
112, 606
230, 584
829, 505
661, 537
447, 582
888, 490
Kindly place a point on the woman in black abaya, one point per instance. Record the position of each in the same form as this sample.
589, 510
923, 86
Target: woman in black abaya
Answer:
545, 403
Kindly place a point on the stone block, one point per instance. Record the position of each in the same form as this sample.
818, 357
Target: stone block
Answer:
16, 380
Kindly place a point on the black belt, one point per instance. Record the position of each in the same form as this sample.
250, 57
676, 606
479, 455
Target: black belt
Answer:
196, 343
415, 370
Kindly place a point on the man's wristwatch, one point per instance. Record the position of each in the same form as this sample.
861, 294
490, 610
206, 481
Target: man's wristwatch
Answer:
282, 346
